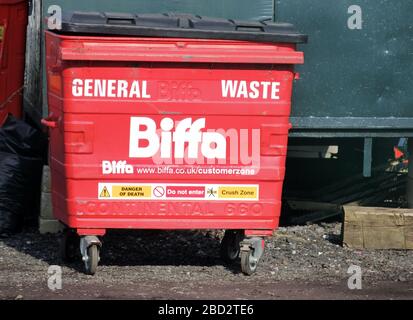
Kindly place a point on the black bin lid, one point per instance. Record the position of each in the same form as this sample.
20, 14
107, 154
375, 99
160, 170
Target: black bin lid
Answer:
171, 25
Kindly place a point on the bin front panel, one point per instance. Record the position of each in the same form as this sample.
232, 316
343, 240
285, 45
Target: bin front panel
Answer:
167, 145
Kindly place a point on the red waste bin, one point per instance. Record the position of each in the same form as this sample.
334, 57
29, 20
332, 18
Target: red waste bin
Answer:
13, 23
171, 122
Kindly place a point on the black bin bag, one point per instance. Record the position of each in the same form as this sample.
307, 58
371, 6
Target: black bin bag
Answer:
22, 153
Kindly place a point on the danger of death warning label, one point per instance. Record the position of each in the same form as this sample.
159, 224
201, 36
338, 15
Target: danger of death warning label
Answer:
208, 192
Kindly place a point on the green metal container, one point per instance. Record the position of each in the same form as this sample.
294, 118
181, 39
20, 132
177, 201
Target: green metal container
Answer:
238, 9
358, 75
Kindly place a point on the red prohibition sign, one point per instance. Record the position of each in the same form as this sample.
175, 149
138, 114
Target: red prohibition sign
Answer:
159, 191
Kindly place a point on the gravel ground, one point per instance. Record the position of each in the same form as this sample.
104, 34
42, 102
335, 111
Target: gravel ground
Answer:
299, 262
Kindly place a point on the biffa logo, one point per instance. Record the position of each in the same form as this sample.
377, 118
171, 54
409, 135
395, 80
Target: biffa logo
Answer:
189, 140
213, 145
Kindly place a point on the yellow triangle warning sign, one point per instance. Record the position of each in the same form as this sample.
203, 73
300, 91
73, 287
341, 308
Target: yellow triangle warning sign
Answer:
105, 193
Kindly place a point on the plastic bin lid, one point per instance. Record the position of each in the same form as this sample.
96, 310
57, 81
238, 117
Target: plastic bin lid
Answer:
177, 25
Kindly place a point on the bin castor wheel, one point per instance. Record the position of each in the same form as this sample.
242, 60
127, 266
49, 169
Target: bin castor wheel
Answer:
230, 245
92, 260
90, 249
252, 250
69, 246
248, 262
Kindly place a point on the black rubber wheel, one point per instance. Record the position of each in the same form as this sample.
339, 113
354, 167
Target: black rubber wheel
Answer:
230, 245
248, 262
69, 246
91, 264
